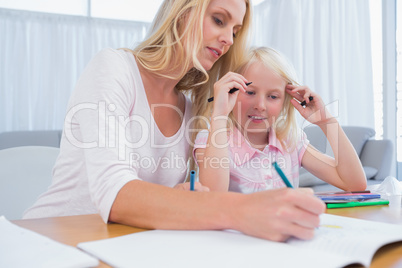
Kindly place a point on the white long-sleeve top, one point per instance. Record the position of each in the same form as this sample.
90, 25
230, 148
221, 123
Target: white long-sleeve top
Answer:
109, 139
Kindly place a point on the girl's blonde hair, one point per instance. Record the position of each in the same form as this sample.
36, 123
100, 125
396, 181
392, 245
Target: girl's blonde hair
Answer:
164, 50
285, 125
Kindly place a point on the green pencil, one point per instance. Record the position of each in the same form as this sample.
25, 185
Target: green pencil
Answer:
283, 176
358, 204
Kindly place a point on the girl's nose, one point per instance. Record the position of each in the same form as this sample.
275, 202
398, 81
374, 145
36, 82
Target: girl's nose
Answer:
260, 104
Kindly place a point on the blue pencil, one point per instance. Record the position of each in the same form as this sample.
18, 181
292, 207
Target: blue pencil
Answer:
283, 177
192, 180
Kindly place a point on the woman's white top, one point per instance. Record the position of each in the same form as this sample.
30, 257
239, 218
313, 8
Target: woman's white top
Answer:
109, 139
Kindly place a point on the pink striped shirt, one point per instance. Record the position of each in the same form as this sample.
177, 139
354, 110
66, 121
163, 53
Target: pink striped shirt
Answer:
251, 170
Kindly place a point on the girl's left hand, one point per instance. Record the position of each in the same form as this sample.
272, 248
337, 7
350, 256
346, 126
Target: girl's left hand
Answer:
198, 187
314, 111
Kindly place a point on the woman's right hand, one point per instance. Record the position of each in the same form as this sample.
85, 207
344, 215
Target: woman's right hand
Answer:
223, 101
279, 214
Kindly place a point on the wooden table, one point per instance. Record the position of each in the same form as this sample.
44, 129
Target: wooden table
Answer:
72, 230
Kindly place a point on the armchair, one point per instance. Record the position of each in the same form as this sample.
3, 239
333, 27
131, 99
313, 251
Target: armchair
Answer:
30, 138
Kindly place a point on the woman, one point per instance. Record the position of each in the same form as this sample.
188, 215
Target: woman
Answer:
125, 148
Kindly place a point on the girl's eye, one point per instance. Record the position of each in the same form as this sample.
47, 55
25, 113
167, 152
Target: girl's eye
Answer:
218, 21
250, 93
234, 35
273, 97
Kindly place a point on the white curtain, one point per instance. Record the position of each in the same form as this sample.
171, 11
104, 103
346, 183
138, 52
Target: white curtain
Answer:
41, 58
328, 41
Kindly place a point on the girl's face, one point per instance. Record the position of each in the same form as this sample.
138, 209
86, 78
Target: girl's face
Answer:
223, 19
258, 108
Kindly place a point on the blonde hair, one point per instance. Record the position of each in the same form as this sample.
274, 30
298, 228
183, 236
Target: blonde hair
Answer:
285, 126
164, 47
163, 50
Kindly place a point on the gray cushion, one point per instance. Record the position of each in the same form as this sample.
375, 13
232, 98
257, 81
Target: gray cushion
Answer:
25, 173
11, 139
358, 136
316, 137
306, 179
370, 172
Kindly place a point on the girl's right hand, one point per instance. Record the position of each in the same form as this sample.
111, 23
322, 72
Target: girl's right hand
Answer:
223, 101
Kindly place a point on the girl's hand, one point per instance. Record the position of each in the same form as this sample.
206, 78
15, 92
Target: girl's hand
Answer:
198, 187
223, 101
314, 111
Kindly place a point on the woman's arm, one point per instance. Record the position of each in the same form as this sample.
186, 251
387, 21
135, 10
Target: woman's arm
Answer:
274, 214
344, 170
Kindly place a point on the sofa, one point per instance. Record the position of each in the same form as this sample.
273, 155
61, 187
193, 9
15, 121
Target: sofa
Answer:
50, 138
375, 155
26, 163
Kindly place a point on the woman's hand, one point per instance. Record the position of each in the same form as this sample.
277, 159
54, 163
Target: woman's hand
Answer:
279, 214
314, 110
197, 187
223, 100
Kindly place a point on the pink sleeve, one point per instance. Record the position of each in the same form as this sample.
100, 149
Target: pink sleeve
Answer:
302, 143
200, 141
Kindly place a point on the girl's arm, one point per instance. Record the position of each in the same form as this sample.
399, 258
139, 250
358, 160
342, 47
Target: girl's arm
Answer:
344, 170
213, 161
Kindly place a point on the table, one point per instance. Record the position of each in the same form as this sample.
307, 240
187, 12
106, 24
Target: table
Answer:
72, 230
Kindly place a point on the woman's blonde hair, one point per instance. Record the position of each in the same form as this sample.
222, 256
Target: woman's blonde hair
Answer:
285, 125
164, 50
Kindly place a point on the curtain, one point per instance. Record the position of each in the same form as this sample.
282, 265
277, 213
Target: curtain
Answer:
329, 43
41, 58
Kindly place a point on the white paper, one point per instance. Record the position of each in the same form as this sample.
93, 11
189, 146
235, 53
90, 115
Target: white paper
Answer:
20, 247
355, 238
338, 242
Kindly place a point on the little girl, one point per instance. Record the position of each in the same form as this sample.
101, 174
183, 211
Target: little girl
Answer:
256, 126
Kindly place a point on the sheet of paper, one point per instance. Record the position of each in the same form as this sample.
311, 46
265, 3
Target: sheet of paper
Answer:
355, 238
20, 247
161, 248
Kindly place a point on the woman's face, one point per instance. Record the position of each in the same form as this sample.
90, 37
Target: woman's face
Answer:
223, 19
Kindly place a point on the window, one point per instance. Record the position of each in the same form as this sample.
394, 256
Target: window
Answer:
117, 9
134, 10
399, 83
125, 9
376, 48
381, 121
399, 86
71, 7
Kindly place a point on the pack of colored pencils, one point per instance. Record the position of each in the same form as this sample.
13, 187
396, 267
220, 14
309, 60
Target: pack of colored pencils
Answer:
351, 199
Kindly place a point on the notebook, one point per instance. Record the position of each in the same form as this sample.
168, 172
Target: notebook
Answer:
20, 247
339, 241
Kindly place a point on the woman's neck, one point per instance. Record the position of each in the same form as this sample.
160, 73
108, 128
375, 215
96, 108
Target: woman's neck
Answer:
157, 83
